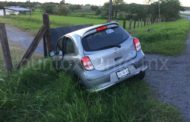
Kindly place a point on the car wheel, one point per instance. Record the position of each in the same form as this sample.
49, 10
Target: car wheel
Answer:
141, 75
57, 65
77, 80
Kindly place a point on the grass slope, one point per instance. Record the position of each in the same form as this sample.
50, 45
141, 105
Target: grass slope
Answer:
41, 94
164, 38
168, 38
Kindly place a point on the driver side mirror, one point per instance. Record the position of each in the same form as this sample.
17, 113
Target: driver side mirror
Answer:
56, 55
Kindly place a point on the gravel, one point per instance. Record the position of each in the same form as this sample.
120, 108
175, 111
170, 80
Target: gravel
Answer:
169, 77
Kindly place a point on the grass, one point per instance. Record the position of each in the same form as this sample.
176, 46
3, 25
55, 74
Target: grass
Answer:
167, 38
39, 93
16, 53
33, 23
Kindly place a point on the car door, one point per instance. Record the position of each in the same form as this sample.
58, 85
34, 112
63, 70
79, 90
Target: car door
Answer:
69, 52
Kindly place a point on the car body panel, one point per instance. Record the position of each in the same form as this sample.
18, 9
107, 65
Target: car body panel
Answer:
106, 62
109, 58
93, 80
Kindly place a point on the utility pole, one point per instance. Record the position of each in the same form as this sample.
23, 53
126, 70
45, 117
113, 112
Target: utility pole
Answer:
29, 6
4, 11
110, 11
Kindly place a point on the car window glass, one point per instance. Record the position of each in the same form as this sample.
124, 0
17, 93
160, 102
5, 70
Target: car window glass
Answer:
69, 46
109, 37
60, 44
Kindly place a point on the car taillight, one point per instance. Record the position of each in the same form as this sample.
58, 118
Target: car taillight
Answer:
137, 44
86, 63
102, 28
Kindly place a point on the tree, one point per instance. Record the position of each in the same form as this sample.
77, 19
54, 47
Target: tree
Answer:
62, 2
94, 8
170, 9
98, 11
63, 10
165, 10
116, 4
50, 8
75, 7
1, 6
154, 11
149, 1
105, 10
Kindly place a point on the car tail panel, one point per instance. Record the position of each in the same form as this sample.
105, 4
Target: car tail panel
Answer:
109, 58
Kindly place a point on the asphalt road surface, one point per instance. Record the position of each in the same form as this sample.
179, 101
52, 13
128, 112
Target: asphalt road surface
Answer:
22, 38
169, 77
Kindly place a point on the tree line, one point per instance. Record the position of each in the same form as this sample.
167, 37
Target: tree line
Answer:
165, 10
161, 10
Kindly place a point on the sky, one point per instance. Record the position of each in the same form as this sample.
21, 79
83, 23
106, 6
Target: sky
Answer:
98, 2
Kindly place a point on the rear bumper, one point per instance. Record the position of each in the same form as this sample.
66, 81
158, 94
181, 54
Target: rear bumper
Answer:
100, 80
110, 83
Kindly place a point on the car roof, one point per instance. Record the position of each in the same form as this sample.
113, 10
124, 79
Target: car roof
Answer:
81, 32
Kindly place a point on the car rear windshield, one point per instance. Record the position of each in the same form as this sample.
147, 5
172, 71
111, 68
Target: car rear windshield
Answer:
102, 40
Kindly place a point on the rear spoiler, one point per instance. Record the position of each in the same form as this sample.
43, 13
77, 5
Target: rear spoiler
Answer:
101, 28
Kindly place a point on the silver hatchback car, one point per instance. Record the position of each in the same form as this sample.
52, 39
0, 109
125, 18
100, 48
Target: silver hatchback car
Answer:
101, 56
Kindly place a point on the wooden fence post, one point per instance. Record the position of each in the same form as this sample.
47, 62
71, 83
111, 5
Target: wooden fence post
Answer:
138, 23
45, 47
5, 48
130, 24
32, 47
4, 12
124, 23
47, 37
134, 24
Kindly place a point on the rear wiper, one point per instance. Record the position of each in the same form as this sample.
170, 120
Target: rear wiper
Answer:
110, 46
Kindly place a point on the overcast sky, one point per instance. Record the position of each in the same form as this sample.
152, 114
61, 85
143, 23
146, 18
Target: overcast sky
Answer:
98, 2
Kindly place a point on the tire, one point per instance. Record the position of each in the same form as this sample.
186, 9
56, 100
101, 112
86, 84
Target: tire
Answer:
77, 79
141, 75
57, 66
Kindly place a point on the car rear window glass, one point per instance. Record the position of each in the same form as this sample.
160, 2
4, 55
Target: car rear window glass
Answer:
103, 39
